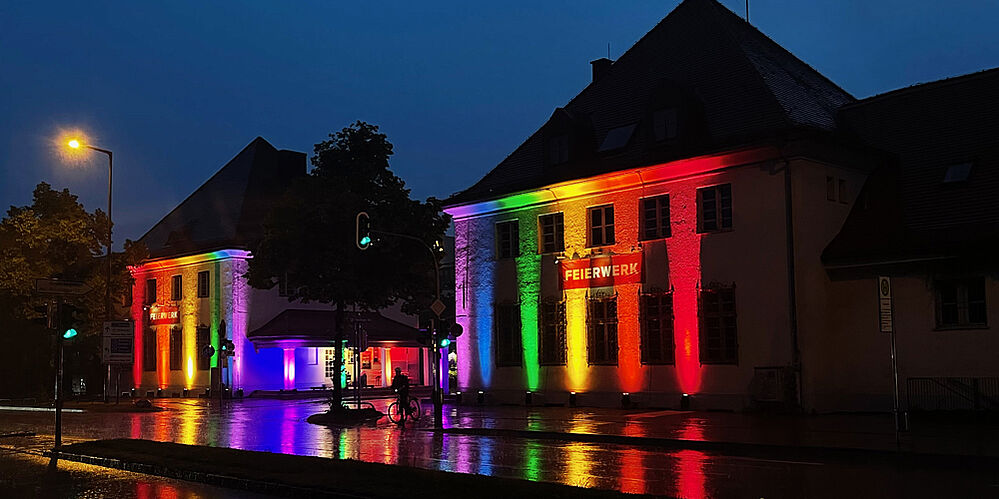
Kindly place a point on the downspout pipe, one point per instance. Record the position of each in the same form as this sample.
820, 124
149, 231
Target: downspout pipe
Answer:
792, 300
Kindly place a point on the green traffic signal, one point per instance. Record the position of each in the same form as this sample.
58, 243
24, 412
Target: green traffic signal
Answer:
445, 342
70, 320
366, 240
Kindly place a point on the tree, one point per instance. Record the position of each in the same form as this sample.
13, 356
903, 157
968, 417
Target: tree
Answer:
309, 235
53, 237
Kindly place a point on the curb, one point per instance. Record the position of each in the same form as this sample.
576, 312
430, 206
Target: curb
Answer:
739, 448
230, 482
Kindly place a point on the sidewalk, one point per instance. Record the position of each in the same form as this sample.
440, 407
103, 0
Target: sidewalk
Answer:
872, 432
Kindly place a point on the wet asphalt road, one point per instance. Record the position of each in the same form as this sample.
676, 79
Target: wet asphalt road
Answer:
280, 426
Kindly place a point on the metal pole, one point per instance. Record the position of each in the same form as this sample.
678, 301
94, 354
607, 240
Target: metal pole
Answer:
894, 372
58, 391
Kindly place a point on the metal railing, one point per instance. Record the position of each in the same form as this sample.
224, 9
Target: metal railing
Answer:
952, 394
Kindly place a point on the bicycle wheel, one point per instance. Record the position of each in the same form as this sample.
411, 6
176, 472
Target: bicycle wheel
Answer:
414, 409
395, 413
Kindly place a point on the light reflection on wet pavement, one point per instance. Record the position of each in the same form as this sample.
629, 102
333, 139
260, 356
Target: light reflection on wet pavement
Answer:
280, 426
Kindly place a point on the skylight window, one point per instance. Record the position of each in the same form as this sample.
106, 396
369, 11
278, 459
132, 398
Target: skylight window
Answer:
617, 138
957, 173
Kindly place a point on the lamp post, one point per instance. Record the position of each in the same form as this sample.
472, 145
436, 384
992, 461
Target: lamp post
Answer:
76, 144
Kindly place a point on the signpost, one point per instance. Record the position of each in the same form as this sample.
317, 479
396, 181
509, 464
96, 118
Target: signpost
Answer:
887, 325
60, 287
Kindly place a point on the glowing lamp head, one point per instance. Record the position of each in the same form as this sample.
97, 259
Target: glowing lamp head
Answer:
69, 333
75, 144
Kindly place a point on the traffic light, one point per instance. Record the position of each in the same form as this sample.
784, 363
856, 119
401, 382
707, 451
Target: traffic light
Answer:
363, 239
228, 348
445, 342
70, 320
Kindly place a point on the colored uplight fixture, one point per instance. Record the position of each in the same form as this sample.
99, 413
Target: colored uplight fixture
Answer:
69, 333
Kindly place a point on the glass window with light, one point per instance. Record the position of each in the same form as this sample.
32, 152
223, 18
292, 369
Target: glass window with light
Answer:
600, 221
552, 232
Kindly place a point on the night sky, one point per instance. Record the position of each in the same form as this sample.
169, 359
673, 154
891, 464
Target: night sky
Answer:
177, 88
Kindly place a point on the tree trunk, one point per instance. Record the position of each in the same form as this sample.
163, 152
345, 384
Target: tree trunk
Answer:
337, 399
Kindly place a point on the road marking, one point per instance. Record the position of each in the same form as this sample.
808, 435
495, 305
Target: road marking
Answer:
34, 409
807, 463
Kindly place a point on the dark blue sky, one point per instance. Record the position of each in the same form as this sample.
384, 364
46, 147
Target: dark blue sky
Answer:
177, 88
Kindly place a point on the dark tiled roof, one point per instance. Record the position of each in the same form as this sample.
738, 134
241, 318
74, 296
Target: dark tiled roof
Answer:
316, 328
730, 84
906, 210
227, 211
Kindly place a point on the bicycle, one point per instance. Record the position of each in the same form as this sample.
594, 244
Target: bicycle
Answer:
397, 416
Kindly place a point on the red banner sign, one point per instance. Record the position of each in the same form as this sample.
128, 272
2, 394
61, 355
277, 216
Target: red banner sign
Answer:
163, 314
601, 271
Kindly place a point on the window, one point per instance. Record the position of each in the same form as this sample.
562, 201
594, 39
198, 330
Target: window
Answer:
617, 138
203, 284
508, 351
507, 239
552, 233
551, 328
329, 365
664, 124
842, 191
203, 338
149, 350
718, 336
558, 149
655, 218
176, 288
961, 303
150, 297
313, 359
657, 328
830, 188
714, 208
176, 348
601, 329
601, 219
957, 173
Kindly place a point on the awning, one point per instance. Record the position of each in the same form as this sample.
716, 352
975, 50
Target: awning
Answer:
315, 328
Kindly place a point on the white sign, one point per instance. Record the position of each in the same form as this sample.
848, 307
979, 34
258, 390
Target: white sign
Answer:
884, 304
119, 343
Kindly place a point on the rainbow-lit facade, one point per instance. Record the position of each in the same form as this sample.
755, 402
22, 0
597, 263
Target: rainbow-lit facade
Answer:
225, 301
748, 257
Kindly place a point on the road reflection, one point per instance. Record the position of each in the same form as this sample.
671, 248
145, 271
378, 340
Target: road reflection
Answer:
280, 426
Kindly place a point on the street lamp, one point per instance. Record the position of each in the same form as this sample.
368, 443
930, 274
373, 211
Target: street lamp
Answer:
76, 144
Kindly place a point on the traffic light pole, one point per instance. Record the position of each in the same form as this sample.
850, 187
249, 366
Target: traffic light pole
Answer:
58, 380
437, 396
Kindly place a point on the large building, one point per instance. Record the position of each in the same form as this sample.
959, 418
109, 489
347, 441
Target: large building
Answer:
190, 296
659, 240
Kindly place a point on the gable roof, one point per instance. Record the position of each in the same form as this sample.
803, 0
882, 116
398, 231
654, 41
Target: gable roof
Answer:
906, 211
227, 211
729, 83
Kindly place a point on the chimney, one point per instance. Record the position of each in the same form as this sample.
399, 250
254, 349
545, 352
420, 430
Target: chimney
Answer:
600, 68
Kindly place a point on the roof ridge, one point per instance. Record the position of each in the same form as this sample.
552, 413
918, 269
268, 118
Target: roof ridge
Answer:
253, 144
950, 80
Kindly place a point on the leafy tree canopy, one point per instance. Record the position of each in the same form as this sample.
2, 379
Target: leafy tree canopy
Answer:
309, 237
54, 236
